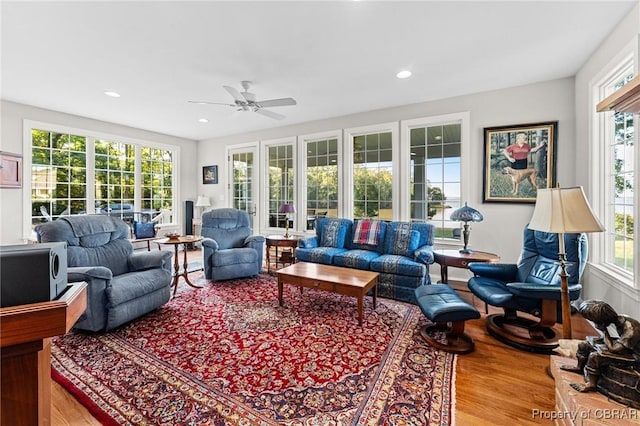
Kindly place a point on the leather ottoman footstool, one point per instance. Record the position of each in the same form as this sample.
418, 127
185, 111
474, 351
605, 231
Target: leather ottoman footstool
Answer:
442, 305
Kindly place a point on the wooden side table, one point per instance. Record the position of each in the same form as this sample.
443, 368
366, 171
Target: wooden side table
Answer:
177, 273
455, 259
287, 256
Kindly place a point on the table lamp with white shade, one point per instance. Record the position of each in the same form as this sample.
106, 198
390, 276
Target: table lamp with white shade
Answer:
564, 211
202, 202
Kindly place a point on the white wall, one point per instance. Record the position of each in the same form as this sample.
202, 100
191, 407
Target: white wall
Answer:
501, 230
597, 285
12, 117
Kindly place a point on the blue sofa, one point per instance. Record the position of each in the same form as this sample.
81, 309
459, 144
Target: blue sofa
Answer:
400, 251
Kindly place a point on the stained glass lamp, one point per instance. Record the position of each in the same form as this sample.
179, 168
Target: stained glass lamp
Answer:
466, 214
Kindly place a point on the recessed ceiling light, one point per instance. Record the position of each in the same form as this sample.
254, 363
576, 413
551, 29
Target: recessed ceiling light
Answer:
404, 74
203, 120
112, 94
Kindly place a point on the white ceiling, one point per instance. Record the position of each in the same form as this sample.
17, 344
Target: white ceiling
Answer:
334, 58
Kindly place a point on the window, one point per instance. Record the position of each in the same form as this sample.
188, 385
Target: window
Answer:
78, 173
434, 147
619, 199
58, 175
280, 182
157, 179
321, 178
372, 176
114, 178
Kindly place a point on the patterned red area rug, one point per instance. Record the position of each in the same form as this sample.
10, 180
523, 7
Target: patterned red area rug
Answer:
228, 354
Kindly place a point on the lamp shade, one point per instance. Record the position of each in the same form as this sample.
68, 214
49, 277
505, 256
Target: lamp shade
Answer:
202, 201
466, 214
564, 210
287, 208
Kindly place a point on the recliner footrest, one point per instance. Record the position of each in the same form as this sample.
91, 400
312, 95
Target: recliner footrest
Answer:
442, 305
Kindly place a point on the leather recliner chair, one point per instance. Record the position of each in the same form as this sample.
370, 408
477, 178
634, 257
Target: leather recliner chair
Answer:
531, 286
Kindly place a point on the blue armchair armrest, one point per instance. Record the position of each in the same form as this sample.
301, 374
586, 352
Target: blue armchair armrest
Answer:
88, 274
210, 243
308, 242
500, 271
141, 261
254, 241
425, 254
541, 291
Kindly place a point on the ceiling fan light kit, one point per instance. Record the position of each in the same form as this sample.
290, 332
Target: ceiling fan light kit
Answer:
247, 101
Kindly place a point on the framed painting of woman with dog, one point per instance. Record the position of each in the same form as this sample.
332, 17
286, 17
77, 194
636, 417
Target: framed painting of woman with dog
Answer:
519, 160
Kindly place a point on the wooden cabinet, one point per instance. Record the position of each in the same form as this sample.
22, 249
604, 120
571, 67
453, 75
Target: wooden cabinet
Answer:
10, 170
627, 99
25, 338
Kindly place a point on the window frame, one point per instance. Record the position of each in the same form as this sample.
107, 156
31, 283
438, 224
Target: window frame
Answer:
347, 183
264, 185
301, 215
91, 136
463, 118
600, 165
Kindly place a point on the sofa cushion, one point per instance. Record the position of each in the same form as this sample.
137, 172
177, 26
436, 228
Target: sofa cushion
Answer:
402, 240
235, 256
334, 234
318, 255
135, 285
359, 259
396, 264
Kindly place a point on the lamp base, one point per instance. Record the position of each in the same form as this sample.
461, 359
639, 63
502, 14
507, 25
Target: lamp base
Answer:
466, 251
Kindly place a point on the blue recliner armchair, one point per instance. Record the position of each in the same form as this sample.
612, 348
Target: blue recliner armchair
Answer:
121, 284
229, 248
531, 286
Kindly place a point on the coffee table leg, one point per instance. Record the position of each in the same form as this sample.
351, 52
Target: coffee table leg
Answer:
360, 303
375, 294
280, 285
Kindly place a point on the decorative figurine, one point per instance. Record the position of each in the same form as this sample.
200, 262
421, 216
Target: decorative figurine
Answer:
609, 361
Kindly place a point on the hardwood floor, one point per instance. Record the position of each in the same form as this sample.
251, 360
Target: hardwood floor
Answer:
495, 384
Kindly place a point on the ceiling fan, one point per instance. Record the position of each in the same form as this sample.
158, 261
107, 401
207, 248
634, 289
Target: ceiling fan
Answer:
246, 101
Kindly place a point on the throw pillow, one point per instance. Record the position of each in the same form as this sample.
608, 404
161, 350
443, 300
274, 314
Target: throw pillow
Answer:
333, 235
144, 230
406, 242
367, 232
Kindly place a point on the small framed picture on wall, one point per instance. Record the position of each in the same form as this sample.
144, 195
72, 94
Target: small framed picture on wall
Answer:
209, 174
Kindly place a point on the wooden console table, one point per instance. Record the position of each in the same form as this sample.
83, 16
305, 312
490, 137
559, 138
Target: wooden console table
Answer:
25, 338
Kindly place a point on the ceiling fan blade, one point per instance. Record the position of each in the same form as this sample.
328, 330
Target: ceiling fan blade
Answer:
234, 93
210, 103
269, 114
250, 97
277, 102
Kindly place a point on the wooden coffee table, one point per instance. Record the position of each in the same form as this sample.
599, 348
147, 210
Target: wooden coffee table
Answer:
346, 281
